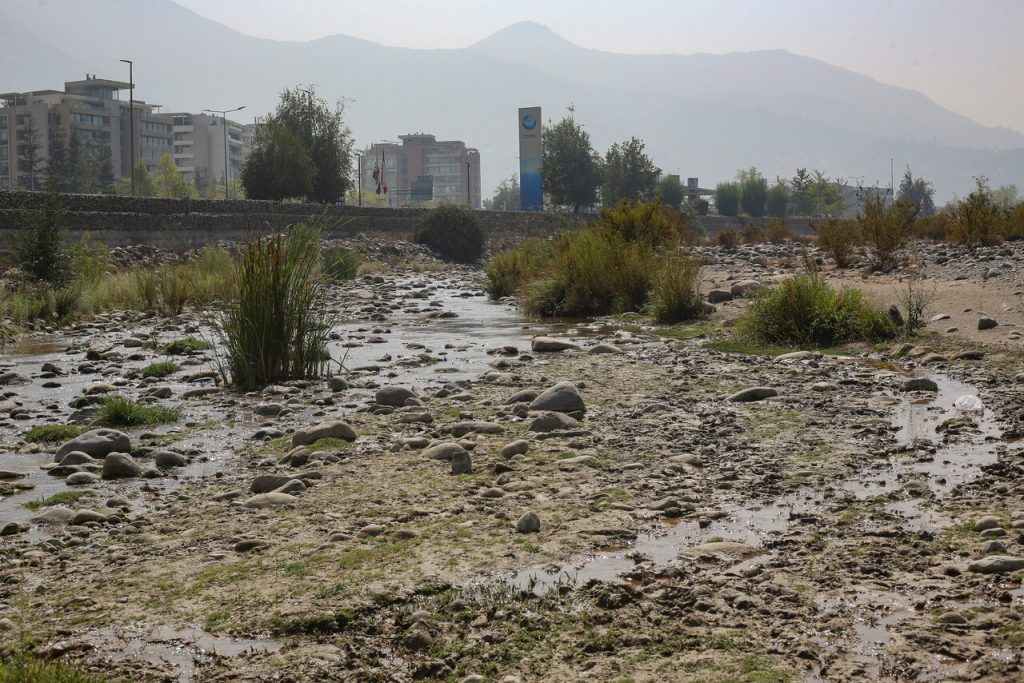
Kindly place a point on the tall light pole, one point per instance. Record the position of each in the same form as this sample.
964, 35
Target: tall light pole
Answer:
224, 124
131, 116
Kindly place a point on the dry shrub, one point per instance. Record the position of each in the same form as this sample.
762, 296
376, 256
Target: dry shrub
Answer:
837, 238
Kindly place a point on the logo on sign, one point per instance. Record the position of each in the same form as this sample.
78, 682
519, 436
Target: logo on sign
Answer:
529, 122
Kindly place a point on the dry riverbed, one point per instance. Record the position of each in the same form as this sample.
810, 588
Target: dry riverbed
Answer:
646, 523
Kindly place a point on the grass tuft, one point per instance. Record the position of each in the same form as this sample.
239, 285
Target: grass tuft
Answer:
52, 433
61, 498
160, 369
23, 668
118, 411
186, 345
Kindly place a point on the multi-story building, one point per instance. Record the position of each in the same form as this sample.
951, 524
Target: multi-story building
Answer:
420, 169
199, 143
31, 121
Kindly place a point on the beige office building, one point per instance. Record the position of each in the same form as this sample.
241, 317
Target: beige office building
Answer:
100, 117
421, 169
199, 141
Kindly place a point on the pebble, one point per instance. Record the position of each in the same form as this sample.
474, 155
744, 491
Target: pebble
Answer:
528, 523
753, 394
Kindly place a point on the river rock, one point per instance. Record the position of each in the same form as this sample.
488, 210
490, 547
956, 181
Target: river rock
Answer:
462, 463
549, 422
13, 378
604, 348
84, 516
717, 296
753, 394
528, 523
81, 479
56, 515
552, 344
478, 426
249, 544
97, 443
996, 564
76, 458
515, 448
920, 384
560, 398
272, 499
268, 409
987, 522
986, 323
395, 396
744, 287
168, 459
265, 483
524, 396
443, 451
335, 429
120, 466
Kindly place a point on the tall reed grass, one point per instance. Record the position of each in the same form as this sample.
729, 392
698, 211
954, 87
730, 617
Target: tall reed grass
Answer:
277, 327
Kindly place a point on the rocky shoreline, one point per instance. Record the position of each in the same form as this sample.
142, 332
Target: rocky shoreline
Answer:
479, 497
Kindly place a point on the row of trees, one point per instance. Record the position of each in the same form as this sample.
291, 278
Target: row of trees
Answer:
73, 165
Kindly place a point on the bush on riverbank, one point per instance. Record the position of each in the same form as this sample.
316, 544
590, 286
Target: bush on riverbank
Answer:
453, 232
807, 311
277, 327
622, 262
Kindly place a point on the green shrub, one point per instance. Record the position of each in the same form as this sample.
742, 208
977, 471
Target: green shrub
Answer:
23, 668
807, 311
648, 223
976, 219
728, 238
1013, 228
507, 271
160, 369
39, 248
277, 328
340, 264
118, 411
934, 227
884, 229
837, 238
676, 295
453, 232
751, 233
727, 198
186, 345
51, 433
777, 231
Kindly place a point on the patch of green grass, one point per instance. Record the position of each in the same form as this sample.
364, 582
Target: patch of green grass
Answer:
685, 331
715, 539
316, 623
328, 443
160, 369
427, 359
61, 498
25, 668
748, 348
186, 345
215, 620
118, 411
297, 569
333, 589
340, 264
52, 433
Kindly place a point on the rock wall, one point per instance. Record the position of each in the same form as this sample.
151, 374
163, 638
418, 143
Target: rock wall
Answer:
185, 223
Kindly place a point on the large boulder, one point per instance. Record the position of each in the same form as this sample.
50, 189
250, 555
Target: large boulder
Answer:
97, 443
335, 429
120, 466
549, 422
443, 451
561, 398
394, 396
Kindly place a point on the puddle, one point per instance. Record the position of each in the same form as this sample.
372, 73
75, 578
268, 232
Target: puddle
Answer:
185, 650
752, 525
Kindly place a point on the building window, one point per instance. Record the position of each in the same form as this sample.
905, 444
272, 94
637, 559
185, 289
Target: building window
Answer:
89, 119
150, 141
154, 127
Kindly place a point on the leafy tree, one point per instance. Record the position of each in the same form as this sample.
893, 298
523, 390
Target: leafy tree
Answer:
452, 231
327, 140
727, 198
170, 183
671, 191
778, 199
278, 166
827, 199
146, 184
39, 250
628, 173
976, 219
570, 169
917, 191
753, 191
1005, 195
800, 193
506, 196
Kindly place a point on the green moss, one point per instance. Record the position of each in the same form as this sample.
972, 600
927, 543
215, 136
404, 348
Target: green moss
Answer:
61, 498
52, 433
161, 369
185, 345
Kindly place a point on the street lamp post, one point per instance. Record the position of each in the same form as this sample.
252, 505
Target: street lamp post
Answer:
224, 124
131, 117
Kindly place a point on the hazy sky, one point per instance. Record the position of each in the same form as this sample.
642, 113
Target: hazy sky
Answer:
967, 55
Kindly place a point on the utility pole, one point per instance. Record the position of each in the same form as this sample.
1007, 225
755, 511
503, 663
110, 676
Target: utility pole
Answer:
131, 116
309, 136
224, 124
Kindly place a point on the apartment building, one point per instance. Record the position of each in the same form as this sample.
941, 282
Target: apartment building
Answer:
100, 118
420, 169
199, 145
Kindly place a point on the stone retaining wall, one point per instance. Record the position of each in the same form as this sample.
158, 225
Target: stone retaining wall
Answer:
180, 224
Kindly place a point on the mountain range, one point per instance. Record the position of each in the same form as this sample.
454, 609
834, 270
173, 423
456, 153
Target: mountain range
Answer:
701, 115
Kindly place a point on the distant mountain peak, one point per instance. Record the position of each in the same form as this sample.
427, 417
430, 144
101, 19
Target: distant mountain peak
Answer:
523, 33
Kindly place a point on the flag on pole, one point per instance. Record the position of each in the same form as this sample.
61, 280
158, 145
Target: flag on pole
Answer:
383, 169
376, 176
